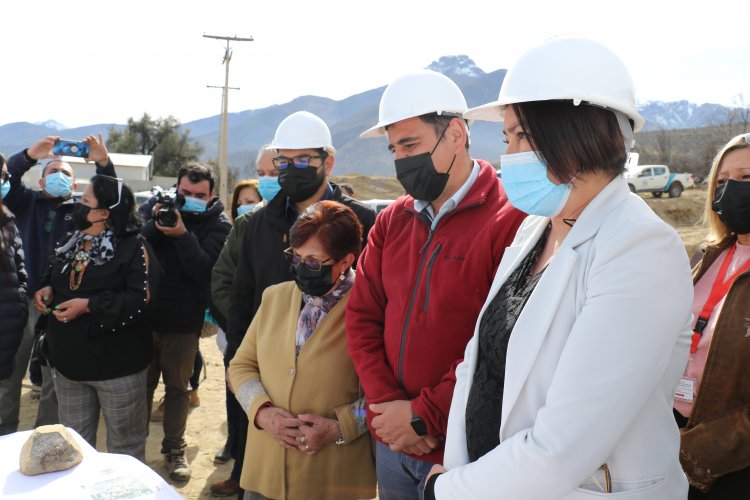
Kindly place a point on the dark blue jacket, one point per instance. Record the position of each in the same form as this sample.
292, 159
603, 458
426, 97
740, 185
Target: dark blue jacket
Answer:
186, 263
13, 302
42, 221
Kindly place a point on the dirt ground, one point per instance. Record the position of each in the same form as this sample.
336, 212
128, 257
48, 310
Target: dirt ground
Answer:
206, 426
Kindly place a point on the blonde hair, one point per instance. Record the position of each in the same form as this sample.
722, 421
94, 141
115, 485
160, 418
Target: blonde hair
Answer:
718, 232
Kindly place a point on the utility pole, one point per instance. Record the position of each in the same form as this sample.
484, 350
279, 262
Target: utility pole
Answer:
224, 132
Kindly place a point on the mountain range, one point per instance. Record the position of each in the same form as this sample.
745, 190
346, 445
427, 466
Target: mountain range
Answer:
249, 130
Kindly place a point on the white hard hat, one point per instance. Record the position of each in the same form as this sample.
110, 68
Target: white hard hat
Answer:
415, 94
302, 130
578, 69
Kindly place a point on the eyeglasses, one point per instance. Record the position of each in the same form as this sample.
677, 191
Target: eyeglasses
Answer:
299, 161
310, 263
119, 193
745, 137
5, 176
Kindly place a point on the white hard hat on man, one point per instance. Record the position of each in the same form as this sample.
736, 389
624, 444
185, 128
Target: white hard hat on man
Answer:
415, 94
302, 130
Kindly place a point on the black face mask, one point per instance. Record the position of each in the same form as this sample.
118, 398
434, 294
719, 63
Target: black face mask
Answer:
300, 184
418, 176
80, 217
317, 283
732, 205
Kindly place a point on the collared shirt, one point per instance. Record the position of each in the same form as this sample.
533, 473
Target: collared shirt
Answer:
426, 207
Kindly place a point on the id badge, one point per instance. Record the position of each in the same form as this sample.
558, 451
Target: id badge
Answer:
685, 390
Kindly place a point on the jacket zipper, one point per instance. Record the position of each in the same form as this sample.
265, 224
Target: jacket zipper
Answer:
429, 275
413, 297
409, 309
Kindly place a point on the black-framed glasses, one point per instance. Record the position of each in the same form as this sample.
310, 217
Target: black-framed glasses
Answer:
299, 161
311, 263
119, 192
5, 176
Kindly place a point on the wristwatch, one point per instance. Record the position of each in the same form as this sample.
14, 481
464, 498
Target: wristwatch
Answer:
419, 425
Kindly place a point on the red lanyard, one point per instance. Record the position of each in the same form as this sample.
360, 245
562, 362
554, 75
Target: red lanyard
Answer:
718, 291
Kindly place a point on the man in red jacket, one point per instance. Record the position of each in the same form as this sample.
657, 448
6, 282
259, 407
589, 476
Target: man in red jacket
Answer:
423, 276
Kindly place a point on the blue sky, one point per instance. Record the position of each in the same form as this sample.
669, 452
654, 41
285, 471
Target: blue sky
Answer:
91, 62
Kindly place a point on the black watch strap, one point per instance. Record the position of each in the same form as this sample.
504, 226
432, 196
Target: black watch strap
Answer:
429, 487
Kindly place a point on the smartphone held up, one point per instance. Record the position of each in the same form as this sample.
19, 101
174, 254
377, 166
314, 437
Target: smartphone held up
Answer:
78, 149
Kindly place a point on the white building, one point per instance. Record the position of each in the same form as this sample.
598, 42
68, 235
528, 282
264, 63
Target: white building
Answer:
135, 170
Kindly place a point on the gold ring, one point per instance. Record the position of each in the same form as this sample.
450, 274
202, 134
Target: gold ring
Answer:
302, 440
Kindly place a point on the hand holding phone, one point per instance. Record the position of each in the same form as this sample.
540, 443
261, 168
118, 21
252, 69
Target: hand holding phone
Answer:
78, 149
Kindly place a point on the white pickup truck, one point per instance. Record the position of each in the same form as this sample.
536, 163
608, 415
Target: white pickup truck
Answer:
657, 179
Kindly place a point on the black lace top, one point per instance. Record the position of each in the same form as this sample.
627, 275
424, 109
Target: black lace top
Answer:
484, 407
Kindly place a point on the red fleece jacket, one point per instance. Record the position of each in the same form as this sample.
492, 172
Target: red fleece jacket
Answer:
418, 294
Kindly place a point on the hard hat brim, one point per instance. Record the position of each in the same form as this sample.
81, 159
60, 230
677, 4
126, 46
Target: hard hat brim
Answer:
376, 131
490, 112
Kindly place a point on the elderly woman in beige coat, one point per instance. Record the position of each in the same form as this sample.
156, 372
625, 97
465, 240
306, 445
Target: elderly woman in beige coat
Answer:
292, 374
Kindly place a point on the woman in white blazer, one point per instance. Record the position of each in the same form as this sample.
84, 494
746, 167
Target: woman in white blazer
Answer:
566, 388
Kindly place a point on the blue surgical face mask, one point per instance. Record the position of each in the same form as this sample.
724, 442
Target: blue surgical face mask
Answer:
5, 188
58, 185
268, 187
194, 205
243, 209
527, 186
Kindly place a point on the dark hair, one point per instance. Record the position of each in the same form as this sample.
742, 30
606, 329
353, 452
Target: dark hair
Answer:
440, 122
197, 172
247, 183
122, 219
335, 225
346, 188
572, 139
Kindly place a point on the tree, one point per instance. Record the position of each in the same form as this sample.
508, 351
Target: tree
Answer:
161, 137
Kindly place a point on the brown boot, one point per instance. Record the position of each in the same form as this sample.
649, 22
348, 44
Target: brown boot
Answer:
225, 488
193, 400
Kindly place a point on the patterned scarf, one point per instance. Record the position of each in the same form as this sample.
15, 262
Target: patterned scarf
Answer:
102, 248
316, 308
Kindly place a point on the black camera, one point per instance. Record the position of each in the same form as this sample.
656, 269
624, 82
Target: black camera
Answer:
170, 202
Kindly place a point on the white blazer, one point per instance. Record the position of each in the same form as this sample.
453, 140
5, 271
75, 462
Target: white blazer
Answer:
592, 365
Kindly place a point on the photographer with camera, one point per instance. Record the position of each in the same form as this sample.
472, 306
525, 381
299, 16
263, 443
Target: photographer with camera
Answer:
187, 228
43, 218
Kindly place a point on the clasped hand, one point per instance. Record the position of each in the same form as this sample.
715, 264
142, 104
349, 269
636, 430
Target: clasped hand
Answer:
393, 426
306, 433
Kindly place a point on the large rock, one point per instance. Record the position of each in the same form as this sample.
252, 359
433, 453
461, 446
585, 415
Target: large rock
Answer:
50, 448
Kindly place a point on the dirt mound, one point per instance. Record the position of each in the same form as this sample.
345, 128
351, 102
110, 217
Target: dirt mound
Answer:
685, 211
372, 187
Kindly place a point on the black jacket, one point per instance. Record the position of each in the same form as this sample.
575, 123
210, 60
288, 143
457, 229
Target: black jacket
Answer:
114, 339
261, 259
43, 222
13, 299
186, 263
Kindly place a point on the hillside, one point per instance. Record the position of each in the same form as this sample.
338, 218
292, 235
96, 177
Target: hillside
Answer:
666, 123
